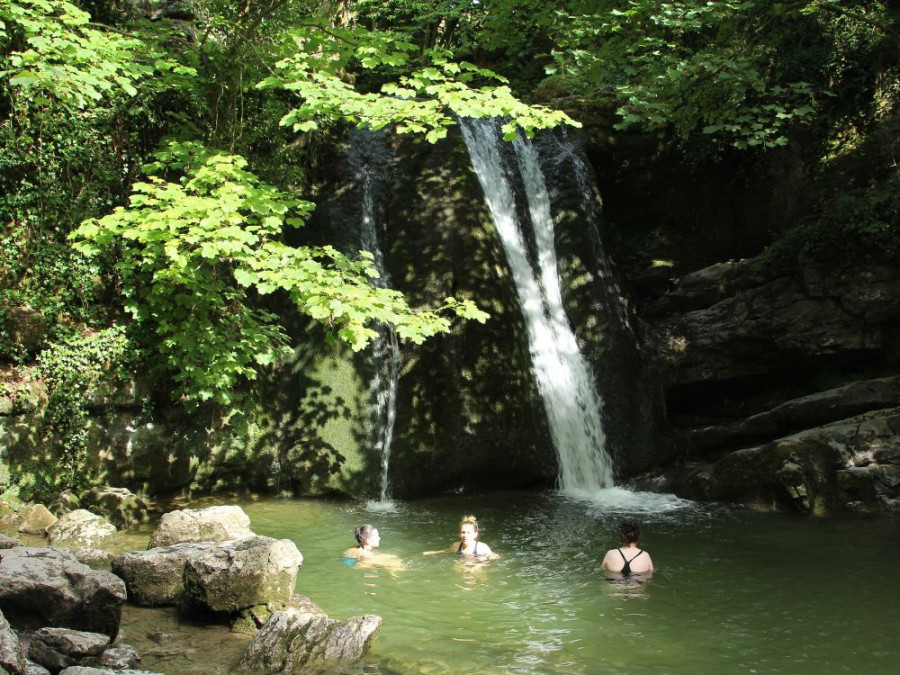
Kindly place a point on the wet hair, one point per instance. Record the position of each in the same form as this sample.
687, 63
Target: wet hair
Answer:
470, 520
630, 531
362, 533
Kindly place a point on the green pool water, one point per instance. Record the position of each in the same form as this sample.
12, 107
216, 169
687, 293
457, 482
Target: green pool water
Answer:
734, 592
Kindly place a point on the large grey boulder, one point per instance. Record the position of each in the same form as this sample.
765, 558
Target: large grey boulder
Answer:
228, 576
42, 587
303, 637
217, 523
237, 575
80, 528
156, 576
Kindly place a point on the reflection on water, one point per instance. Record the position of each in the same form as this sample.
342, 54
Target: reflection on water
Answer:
733, 592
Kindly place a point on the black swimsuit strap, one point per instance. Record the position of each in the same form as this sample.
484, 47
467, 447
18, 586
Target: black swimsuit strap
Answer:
627, 561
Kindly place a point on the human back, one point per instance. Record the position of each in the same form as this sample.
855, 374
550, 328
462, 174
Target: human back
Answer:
628, 559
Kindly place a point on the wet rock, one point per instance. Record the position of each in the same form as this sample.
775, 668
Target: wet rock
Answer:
297, 639
217, 523
94, 558
44, 586
120, 657
80, 528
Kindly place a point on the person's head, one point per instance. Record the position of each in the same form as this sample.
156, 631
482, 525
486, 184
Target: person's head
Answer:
366, 535
468, 528
629, 531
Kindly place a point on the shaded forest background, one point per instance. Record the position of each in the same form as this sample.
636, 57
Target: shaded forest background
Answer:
156, 156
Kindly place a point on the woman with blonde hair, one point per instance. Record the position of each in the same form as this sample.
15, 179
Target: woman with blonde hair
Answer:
468, 546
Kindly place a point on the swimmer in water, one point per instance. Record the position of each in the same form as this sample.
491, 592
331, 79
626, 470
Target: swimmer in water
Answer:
368, 539
628, 559
468, 547
365, 555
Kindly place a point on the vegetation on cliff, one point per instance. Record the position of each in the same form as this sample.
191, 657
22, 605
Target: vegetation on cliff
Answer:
153, 155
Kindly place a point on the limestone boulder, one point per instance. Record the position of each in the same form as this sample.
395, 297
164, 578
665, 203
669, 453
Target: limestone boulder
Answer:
301, 638
47, 587
233, 576
156, 576
80, 528
217, 523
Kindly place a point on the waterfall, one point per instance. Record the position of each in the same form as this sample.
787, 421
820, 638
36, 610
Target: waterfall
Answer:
563, 375
368, 159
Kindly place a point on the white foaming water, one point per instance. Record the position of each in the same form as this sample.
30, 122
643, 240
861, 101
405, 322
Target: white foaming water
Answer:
382, 506
623, 500
367, 159
563, 375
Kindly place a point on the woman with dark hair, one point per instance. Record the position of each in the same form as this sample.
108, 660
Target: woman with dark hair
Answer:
368, 539
628, 559
365, 555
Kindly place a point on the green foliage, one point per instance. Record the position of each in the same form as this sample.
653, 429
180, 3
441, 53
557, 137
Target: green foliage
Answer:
71, 369
52, 50
425, 101
193, 253
844, 228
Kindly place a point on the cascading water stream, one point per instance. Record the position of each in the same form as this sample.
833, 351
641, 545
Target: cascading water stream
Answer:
367, 160
563, 375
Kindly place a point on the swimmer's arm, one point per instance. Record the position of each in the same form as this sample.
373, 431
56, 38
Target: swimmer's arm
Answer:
489, 554
606, 560
450, 549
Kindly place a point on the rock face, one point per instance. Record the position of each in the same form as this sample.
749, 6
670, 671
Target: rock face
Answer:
217, 523
783, 390
302, 638
41, 587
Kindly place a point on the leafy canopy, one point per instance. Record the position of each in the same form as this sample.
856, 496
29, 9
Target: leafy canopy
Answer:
193, 252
